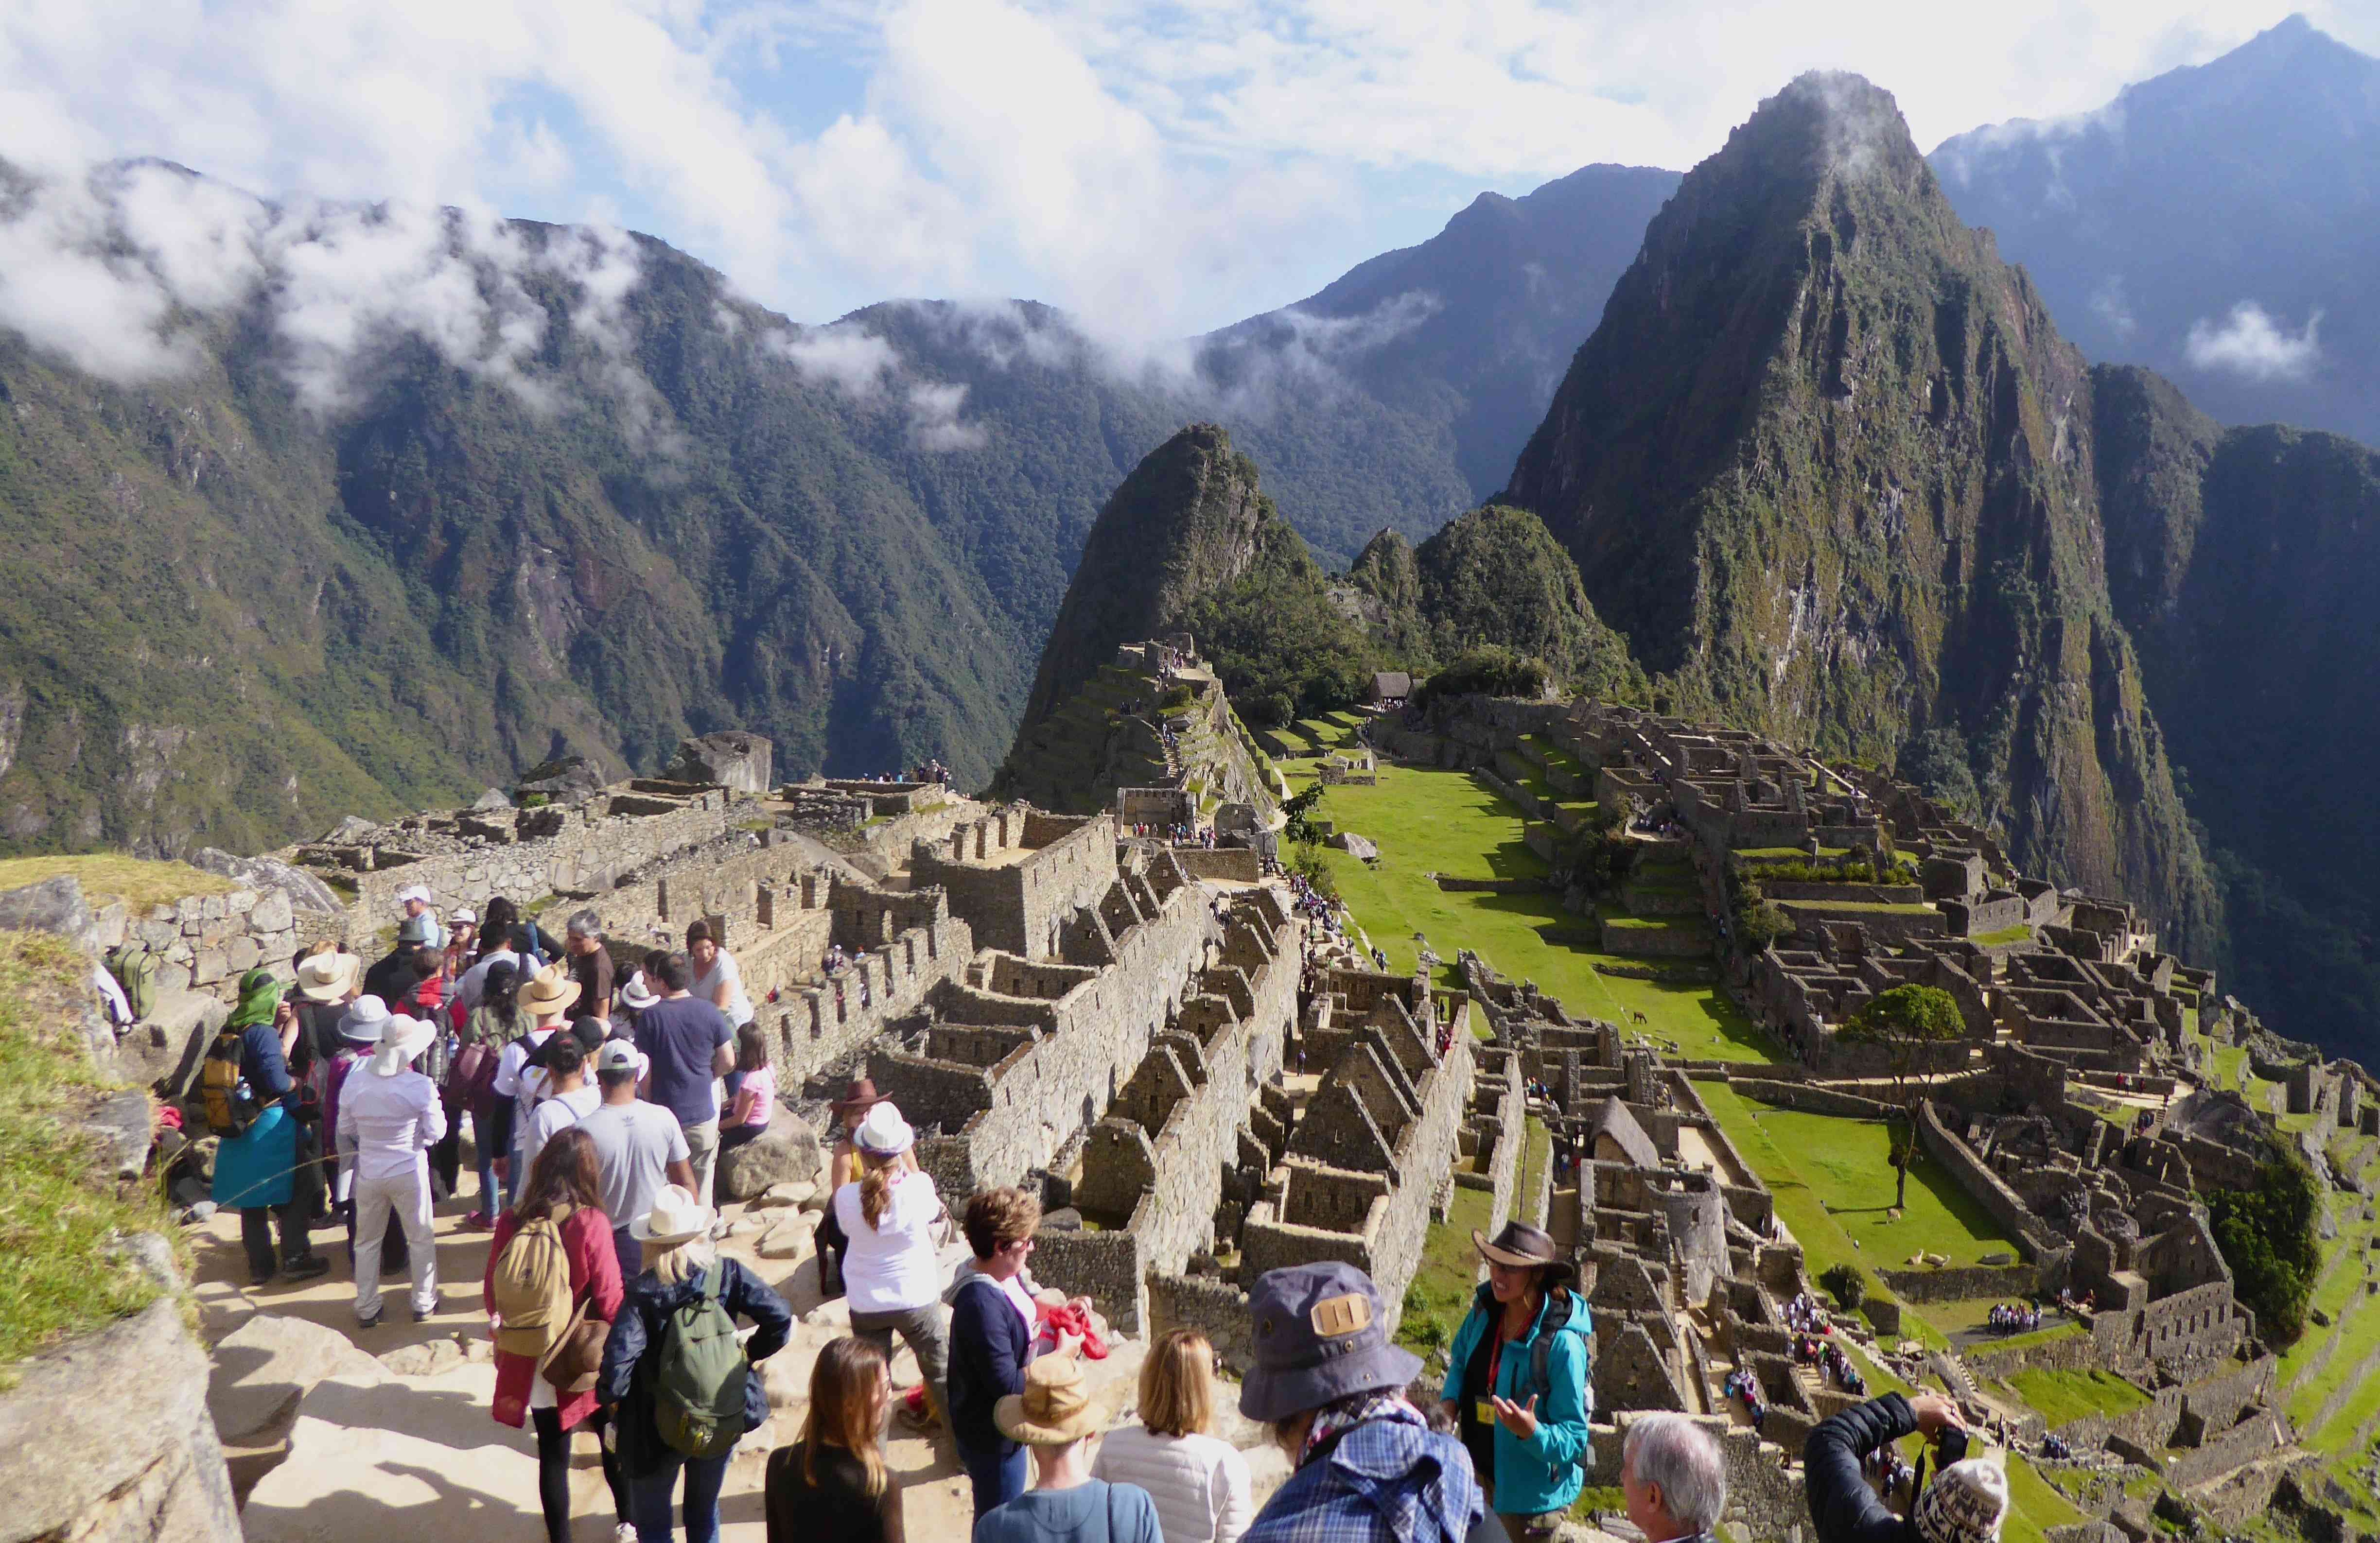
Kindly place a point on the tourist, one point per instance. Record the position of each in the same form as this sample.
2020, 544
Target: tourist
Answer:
507, 949
504, 927
755, 1096
1520, 1406
414, 900
689, 1044
831, 1486
1672, 1478
1199, 1481
638, 1148
359, 1031
889, 1270
519, 1083
680, 1267
328, 979
636, 994
841, 1168
590, 963
562, 1188
992, 1341
1056, 1417
267, 1171
569, 1096
716, 979
463, 936
391, 976
1365, 1465
1966, 1502
389, 1118
494, 1024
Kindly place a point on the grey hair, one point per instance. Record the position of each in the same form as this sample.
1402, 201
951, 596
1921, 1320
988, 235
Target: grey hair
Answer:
1673, 1451
584, 923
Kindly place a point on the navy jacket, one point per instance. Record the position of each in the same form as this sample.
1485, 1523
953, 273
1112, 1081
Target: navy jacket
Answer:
1842, 1506
627, 1380
989, 1345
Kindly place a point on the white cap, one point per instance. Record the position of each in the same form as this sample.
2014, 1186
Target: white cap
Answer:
414, 892
464, 917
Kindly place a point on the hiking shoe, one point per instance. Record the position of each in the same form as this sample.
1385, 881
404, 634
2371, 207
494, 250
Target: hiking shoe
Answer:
312, 1266
371, 1323
476, 1222
425, 1315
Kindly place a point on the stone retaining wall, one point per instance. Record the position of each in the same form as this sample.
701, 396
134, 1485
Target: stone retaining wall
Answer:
2036, 1238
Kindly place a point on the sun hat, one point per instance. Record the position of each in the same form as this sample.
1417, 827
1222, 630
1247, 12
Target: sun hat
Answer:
414, 892
619, 1055
1056, 1408
418, 929
1320, 1335
1527, 1247
1966, 1502
884, 1133
401, 1039
676, 1216
363, 1019
464, 916
549, 992
636, 996
861, 1094
327, 975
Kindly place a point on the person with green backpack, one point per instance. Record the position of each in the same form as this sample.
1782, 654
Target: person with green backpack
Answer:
681, 1391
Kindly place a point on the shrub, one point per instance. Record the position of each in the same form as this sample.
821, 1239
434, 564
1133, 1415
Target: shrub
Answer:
1846, 1284
2270, 1237
1489, 671
1307, 860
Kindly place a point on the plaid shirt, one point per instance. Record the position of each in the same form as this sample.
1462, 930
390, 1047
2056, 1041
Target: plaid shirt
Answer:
1385, 1481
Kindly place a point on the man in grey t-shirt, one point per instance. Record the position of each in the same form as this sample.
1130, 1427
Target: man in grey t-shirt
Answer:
638, 1148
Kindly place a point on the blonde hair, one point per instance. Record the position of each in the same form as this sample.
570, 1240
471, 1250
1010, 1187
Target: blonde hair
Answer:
846, 1382
673, 1262
876, 1175
1177, 1384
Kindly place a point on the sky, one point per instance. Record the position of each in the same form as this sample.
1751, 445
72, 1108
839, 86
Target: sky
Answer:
1157, 170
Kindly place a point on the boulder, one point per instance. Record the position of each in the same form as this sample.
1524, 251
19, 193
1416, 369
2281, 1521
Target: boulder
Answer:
427, 1360
162, 1050
783, 1194
733, 759
1240, 818
567, 779
785, 1240
268, 1364
2003, 1256
302, 889
492, 799
786, 1152
122, 1126
349, 832
1356, 846
54, 905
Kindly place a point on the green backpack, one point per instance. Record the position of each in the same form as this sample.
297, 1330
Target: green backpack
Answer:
133, 965
699, 1390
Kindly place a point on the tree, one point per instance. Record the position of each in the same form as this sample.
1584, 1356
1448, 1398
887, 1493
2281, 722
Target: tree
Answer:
2270, 1235
1906, 1021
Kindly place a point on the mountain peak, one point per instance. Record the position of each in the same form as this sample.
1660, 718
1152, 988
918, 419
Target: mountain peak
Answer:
1829, 121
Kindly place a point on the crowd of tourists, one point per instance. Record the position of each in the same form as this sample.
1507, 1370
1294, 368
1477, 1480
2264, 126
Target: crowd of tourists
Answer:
2014, 1317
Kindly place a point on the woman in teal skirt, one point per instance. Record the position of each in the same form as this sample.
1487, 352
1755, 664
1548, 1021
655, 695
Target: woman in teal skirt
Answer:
267, 1173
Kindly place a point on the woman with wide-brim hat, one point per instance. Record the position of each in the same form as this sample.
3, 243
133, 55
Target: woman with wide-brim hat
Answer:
889, 1216
1059, 1422
544, 999
328, 979
681, 1266
1517, 1381
841, 1168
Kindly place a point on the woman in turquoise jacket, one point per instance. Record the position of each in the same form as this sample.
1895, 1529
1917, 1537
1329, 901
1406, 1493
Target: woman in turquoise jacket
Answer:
1516, 1381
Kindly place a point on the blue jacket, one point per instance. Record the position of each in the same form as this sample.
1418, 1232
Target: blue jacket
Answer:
258, 1167
1384, 1481
626, 1379
1546, 1471
989, 1345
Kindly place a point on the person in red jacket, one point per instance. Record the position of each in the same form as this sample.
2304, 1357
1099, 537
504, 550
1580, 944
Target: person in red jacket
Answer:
563, 1183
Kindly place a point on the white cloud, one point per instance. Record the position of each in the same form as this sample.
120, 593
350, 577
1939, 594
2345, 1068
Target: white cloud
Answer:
2252, 345
2110, 304
850, 358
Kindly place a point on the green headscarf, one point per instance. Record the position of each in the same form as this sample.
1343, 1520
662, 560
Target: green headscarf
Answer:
259, 994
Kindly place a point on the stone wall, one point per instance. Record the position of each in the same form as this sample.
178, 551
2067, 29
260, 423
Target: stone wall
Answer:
2036, 1238
1971, 1282
1017, 875
210, 941
2258, 1436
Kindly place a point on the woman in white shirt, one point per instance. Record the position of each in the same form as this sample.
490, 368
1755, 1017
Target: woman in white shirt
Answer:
1200, 1483
889, 1216
716, 979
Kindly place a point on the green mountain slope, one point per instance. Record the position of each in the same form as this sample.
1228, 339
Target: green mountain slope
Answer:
1826, 464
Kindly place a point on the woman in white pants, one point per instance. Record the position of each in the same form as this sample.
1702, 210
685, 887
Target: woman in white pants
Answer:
389, 1118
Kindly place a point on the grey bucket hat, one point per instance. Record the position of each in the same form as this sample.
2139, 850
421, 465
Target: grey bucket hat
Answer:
1320, 1335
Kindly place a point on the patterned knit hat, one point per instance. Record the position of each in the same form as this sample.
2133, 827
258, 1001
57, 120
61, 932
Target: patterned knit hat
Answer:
1966, 1502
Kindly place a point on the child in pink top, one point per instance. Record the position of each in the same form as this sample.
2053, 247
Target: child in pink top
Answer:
755, 1095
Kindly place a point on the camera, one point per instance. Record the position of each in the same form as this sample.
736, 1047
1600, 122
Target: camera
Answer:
1949, 1446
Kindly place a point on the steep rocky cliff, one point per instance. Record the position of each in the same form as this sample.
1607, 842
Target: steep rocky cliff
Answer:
1828, 464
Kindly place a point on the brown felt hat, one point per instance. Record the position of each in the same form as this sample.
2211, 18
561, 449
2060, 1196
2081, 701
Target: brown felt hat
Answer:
1527, 1247
861, 1094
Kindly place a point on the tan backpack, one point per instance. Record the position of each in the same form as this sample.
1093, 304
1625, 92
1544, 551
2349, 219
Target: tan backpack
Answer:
532, 1288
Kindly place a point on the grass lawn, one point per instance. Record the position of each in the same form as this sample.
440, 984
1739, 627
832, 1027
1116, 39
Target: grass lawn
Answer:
1535, 1156
2021, 933
1428, 821
1881, 908
59, 1271
2034, 1505
1787, 855
2063, 1396
1844, 1161
2066, 1328
2358, 1337
1440, 1290
137, 882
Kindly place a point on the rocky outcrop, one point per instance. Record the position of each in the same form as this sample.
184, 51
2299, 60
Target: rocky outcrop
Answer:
108, 1441
786, 1153
267, 1365
305, 891
735, 760
566, 779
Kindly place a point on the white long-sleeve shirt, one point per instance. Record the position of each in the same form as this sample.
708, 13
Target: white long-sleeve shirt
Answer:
1200, 1483
389, 1122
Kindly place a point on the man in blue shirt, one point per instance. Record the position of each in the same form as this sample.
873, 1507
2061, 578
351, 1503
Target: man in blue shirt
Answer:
688, 1046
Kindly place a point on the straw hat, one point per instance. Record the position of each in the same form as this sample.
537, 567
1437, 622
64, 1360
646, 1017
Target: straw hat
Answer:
1056, 1408
884, 1133
327, 975
636, 996
363, 1020
549, 992
401, 1039
676, 1216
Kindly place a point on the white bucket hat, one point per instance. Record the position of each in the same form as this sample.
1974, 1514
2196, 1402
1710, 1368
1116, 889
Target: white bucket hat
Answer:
677, 1217
401, 1039
884, 1133
636, 995
363, 1020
